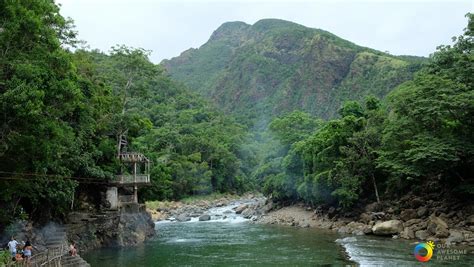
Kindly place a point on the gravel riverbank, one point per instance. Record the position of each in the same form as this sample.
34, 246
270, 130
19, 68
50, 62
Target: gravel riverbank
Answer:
410, 218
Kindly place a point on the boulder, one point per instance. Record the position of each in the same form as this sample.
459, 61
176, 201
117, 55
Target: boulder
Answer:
377, 215
422, 234
319, 210
412, 222
157, 216
419, 226
408, 214
182, 218
437, 227
355, 228
422, 212
407, 233
204, 217
442, 232
374, 207
365, 218
267, 207
455, 237
388, 227
241, 208
343, 230
248, 213
416, 202
470, 220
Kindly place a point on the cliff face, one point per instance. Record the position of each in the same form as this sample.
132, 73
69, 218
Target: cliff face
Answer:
128, 226
275, 66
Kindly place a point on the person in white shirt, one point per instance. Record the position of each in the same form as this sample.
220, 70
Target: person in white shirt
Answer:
12, 246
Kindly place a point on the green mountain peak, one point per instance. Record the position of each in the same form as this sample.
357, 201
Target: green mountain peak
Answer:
276, 66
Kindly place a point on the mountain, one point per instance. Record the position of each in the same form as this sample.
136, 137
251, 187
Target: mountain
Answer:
275, 66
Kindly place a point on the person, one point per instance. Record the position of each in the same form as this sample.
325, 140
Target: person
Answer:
27, 250
12, 246
73, 249
18, 255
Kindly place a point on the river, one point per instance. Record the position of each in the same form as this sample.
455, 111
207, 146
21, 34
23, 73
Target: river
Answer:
234, 241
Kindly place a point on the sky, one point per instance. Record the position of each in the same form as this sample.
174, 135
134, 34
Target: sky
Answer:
169, 27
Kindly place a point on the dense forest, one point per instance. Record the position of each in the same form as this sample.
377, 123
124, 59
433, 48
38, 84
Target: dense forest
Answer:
422, 135
64, 108
333, 122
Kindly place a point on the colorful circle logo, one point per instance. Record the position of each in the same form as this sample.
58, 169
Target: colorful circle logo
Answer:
424, 251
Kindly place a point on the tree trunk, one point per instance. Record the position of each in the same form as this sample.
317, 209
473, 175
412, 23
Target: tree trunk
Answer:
375, 188
119, 144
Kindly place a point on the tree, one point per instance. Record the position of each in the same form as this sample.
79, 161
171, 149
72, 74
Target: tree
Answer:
294, 127
130, 73
430, 127
49, 112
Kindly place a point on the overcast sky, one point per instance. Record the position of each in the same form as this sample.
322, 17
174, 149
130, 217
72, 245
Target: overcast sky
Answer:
169, 27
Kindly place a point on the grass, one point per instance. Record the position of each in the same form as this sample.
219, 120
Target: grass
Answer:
153, 205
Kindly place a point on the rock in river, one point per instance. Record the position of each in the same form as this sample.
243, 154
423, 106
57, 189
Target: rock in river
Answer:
204, 217
182, 218
241, 208
388, 228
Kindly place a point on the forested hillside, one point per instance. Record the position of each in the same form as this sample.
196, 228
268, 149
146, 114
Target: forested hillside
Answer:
274, 67
420, 140
194, 148
331, 138
63, 112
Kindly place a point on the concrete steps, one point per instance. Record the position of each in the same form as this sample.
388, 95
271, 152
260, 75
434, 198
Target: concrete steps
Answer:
73, 261
57, 246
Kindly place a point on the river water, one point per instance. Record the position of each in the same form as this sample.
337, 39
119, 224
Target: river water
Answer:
234, 241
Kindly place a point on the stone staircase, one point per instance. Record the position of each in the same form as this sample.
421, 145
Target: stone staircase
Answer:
73, 261
56, 253
56, 238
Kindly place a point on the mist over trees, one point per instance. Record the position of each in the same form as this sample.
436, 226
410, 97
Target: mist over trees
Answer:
63, 113
375, 149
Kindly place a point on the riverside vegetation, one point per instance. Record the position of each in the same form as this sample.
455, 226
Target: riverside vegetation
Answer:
280, 125
63, 111
415, 143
